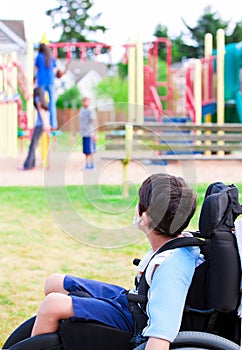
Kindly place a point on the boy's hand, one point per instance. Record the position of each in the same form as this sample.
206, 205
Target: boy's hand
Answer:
95, 137
47, 127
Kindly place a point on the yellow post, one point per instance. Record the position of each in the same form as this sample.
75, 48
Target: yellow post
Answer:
1, 107
13, 133
9, 93
3, 127
1, 77
128, 152
131, 81
45, 142
220, 81
198, 94
128, 140
208, 50
44, 146
30, 76
140, 80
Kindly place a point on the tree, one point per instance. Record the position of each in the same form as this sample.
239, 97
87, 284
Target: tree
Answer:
236, 35
208, 22
72, 17
180, 49
161, 32
192, 44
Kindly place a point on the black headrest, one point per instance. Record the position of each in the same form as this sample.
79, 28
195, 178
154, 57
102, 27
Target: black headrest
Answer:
219, 211
220, 206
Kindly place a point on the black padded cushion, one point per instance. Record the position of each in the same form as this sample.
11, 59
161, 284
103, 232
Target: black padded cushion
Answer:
213, 210
219, 211
220, 208
89, 336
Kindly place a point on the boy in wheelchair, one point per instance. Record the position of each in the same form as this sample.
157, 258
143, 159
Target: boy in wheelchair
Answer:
162, 302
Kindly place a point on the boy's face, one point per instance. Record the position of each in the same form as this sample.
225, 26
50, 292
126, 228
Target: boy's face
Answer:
86, 102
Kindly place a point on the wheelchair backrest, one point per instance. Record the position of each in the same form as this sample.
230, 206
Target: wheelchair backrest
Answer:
216, 225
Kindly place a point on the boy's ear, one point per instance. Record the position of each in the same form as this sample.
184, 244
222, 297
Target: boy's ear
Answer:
145, 219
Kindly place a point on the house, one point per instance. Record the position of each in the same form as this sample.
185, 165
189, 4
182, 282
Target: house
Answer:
86, 75
12, 36
13, 39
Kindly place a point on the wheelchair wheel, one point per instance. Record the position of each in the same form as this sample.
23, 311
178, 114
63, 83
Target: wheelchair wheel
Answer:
202, 341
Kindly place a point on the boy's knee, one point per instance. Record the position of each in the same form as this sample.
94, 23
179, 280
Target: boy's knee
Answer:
53, 283
56, 305
48, 305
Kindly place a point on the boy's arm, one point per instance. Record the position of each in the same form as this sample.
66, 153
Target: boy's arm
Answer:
157, 344
95, 123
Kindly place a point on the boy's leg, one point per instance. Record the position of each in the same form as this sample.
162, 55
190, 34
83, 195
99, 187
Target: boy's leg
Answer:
55, 283
52, 106
87, 150
54, 308
30, 160
89, 161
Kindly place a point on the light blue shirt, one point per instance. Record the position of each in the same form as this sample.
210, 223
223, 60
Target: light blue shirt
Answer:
168, 291
88, 122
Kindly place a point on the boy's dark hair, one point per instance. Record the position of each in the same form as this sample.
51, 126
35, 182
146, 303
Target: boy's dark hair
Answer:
169, 202
38, 92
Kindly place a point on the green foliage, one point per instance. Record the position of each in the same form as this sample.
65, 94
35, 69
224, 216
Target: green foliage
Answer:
236, 35
24, 102
122, 70
208, 22
161, 31
191, 45
181, 50
72, 17
71, 98
162, 77
115, 88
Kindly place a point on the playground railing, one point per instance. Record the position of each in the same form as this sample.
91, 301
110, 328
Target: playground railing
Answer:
158, 143
174, 141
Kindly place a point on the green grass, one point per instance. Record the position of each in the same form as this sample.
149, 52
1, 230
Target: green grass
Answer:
34, 244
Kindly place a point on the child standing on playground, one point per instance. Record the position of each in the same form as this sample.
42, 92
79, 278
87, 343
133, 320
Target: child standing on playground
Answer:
42, 124
88, 129
46, 69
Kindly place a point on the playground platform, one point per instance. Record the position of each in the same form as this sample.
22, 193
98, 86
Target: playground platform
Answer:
111, 172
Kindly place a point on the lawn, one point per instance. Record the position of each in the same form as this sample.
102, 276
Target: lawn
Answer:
102, 244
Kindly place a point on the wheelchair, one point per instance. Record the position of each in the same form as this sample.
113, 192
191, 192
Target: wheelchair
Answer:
210, 320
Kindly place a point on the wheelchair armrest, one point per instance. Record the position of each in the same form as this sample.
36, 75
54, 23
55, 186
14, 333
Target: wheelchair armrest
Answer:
39, 342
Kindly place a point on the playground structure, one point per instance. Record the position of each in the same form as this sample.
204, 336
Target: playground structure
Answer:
211, 85
15, 90
8, 107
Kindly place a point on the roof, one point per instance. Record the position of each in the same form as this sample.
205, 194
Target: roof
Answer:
12, 32
79, 69
16, 26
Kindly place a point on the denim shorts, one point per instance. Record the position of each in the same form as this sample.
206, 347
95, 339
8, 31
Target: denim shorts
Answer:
88, 145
